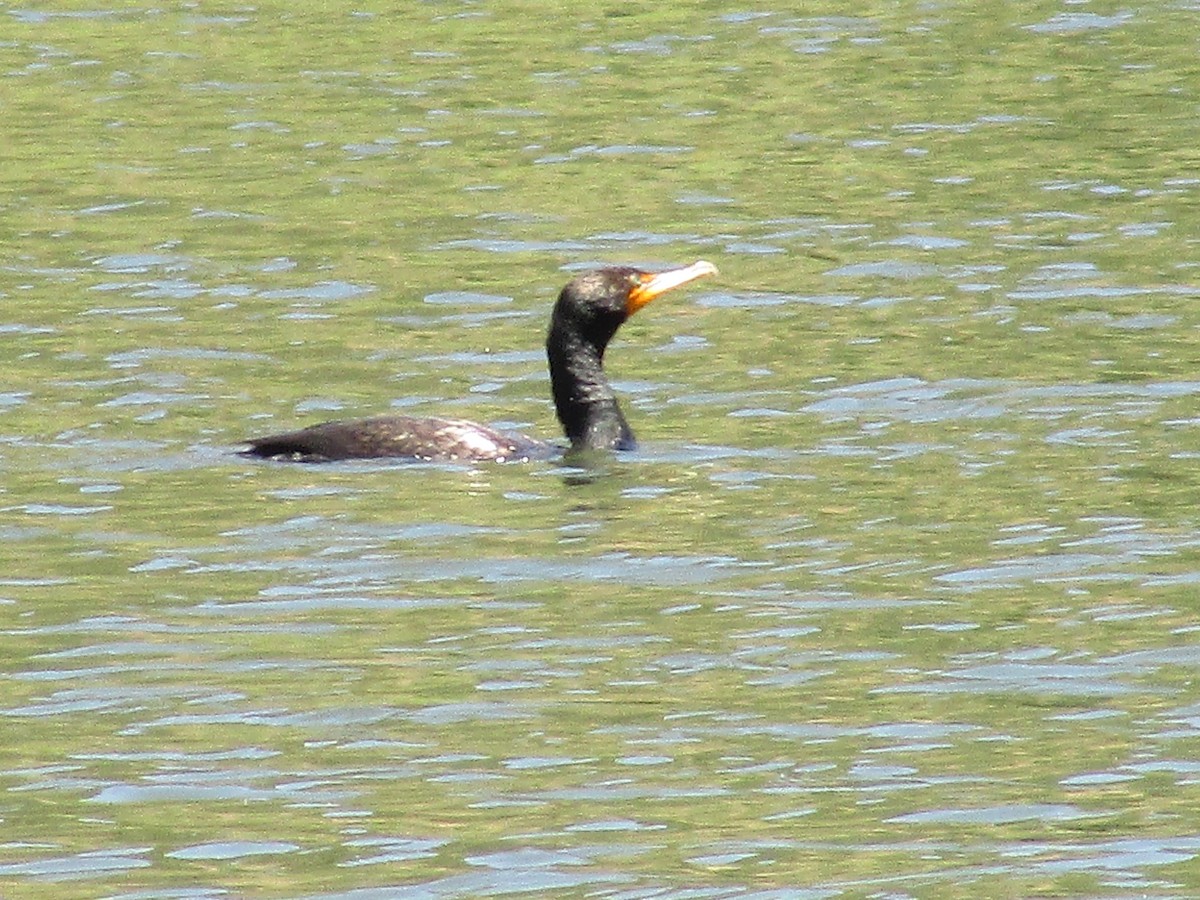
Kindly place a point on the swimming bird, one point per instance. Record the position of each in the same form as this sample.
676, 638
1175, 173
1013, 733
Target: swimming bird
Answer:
588, 312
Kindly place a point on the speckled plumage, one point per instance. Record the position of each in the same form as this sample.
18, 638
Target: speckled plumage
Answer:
589, 310
412, 437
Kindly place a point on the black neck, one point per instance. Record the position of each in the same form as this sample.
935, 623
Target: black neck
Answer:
583, 398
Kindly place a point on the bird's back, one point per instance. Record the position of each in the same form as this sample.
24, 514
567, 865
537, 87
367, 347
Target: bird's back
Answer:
413, 437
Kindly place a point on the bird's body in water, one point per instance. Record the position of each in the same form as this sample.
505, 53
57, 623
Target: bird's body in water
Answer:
410, 437
587, 314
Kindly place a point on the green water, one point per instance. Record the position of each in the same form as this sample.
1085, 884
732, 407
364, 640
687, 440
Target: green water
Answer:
896, 599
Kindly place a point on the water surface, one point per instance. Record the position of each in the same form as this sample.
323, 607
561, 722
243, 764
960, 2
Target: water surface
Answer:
896, 598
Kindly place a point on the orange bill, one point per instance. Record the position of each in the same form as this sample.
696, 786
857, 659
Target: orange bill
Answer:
652, 284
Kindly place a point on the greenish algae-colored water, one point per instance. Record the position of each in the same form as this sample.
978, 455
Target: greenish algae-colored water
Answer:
896, 599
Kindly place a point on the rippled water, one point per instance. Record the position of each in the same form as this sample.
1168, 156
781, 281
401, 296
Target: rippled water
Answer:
895, 599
